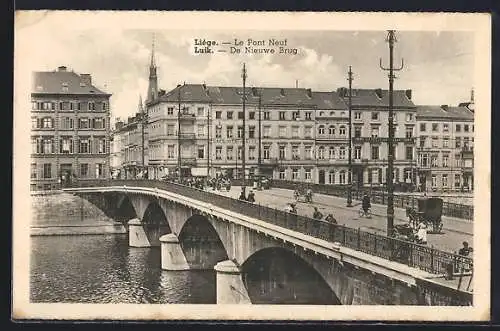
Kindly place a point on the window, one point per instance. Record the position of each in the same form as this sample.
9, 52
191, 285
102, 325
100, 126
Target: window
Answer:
48, 146
375, 130
446, 127
66, 145
375, 152
466, 127
308, 152
466, 142
47, 123
201, 130
218, 115
434, 160
342, 153
435, 127
307, 174
296, 115
66, 123
251, 152
47, 170
357, 152
267, 153
98, 123
282, 174
266, 133
321, 130
251, 132
99, 170
331, 177
84, 169
308, 115
229, 131
295, 153
342, 130
342, 177
375, 116
251, 115
409, 117
33, 171
218, 152
409, 152
229, 115
170, 129
200, 111
446, 142
357, 115
357, 132
34, 123
444, 180
295, 131
170, 111
83, 123
435, 142
281, 115
458, 142
282, 131
282, 153
434, 181
36, 145
422, 127
295, 174
240, 131
201, 151
458, 128
84, 146
171, 151
229, 152
321, 153
308, 132
240, 115
240, 152
446, 159
104, 105
457, 180
331, 153
409, 132
267, 115
422, 141
218, 132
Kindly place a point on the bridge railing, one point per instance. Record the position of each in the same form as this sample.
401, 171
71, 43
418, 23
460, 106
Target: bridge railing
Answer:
423, 257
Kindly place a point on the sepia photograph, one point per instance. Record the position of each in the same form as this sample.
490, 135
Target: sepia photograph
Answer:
231, 165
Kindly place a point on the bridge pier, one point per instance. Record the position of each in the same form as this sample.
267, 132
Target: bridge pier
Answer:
230, 286
137, 236
172, 256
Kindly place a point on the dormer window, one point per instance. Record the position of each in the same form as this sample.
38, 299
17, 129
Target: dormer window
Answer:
82, 85
65, 87
332, 113
321, 113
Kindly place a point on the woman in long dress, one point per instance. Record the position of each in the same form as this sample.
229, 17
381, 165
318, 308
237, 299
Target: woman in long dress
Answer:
422, 232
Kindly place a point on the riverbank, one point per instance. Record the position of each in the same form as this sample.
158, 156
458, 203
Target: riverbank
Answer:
60, 213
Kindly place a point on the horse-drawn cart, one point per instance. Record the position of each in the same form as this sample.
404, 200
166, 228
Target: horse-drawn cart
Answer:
429, 212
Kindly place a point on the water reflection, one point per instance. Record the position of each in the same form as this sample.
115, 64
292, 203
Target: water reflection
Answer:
103, 269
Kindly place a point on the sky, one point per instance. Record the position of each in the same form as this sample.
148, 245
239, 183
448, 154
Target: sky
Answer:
438, 66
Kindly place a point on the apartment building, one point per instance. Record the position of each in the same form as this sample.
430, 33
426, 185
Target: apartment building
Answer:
446, 147
70, 129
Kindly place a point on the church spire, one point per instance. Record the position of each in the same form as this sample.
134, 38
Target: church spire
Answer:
152, 92
140, 107
153, 64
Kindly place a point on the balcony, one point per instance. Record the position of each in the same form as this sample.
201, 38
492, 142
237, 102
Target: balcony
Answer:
467, 152
184, 116
377, 140
188, 161
187, 136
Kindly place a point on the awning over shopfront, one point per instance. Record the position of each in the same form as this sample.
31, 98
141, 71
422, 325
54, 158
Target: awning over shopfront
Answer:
199, 172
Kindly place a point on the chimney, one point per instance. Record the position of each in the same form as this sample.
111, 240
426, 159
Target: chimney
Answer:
296, 83
86, 79
472, 96
309, 93
444, 107
379, 93
282, 92
408, 94
254, 91
341, 91
62, 69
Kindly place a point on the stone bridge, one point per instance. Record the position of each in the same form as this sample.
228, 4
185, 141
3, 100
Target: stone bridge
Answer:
257, 261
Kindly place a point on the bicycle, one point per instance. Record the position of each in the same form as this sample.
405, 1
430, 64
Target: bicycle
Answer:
366, 214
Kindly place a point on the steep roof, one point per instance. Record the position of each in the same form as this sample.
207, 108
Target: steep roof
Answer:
328, 100
378, 97
53, 82
445, 112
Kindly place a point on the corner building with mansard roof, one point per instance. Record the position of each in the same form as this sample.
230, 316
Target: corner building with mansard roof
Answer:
70, 129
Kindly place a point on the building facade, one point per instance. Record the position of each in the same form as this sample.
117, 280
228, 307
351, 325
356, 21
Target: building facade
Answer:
446, 147
70, 129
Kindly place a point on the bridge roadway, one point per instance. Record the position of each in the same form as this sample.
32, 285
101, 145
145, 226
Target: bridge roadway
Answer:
455, 230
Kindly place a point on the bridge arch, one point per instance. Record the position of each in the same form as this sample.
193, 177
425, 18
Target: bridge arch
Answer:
125, 210
155, 223
201, 243
277, 275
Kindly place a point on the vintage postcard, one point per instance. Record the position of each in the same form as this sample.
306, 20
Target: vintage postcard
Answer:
251, 165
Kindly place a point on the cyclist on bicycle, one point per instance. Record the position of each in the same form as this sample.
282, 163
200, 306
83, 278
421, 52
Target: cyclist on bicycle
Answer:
366, 203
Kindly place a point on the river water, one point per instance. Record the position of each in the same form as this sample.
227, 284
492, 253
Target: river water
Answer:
103, 269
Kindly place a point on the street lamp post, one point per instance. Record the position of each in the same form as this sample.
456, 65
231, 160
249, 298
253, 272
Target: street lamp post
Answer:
243, 156
349, 180
179, 162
